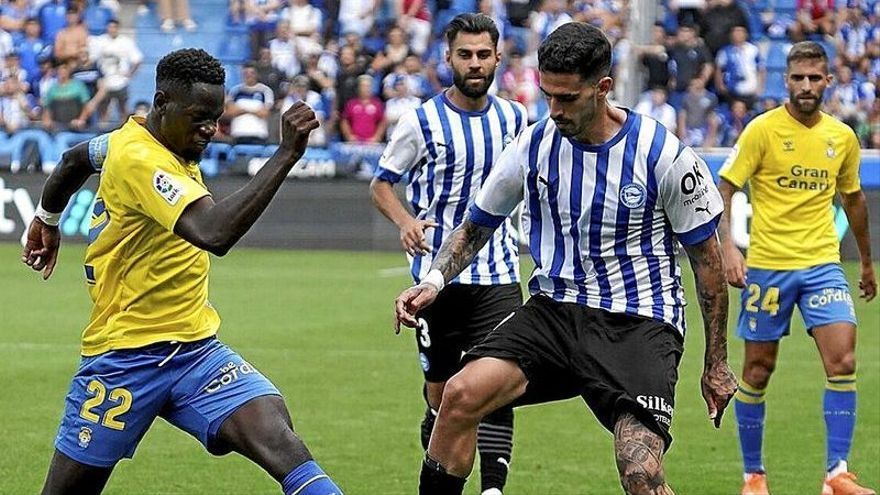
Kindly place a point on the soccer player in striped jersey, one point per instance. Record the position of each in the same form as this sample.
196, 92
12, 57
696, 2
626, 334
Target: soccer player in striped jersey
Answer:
607, 194
444, 150
795, 158
150, 348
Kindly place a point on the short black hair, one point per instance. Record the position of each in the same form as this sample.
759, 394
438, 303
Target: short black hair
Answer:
806, 50
181, 69
473, 24
576, 48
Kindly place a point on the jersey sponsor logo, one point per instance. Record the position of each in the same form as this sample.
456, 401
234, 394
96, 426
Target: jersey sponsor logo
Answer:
230, 373
632, 195
659, 405
829, 296
85, 437
805, 179
692, 180
167, 187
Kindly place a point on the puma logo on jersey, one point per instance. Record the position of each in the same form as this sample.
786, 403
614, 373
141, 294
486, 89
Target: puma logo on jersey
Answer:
698, 209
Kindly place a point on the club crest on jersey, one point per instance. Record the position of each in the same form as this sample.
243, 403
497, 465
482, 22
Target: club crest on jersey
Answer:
632, 195
85, 436
830, 151
167, 187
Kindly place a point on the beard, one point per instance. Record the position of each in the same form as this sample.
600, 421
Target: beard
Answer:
806, 106
461, 82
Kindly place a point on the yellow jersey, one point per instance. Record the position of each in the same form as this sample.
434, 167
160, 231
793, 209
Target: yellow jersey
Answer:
793, 172
147, 284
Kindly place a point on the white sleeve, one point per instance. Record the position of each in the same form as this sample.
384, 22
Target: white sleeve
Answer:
503, 189
690, 199
404, 151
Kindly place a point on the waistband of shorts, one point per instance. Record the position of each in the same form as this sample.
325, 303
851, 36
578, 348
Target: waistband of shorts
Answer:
166, 346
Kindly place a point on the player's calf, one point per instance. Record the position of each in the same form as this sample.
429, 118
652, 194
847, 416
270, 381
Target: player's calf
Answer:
495, 445
639, 455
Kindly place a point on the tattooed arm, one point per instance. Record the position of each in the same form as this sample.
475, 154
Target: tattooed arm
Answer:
718, 381
456, 253
639, 455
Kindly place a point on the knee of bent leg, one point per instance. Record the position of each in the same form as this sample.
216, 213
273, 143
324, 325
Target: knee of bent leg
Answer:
844, 364
757, 373
460, 401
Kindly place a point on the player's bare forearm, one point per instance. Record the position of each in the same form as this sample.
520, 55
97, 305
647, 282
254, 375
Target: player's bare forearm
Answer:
460, 248
387, 202
67, 178
856, 208
705, 259
727, 191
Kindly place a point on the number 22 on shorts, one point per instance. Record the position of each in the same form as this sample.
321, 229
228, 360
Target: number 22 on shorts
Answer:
99, 393
769, 303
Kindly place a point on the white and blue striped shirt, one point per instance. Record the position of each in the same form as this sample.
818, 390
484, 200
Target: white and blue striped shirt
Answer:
446, 154
601, 220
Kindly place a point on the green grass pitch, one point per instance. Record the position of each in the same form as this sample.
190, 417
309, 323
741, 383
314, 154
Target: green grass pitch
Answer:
319, 325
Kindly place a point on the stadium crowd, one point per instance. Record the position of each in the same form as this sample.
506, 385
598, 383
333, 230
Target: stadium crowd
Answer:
710, 67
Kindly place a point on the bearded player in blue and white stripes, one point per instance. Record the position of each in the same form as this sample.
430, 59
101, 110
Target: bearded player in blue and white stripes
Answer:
444, 151
607, 194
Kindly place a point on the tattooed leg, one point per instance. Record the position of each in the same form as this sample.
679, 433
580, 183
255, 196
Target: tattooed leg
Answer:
639, 453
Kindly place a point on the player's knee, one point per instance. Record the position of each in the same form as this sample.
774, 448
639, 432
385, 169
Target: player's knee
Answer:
757, 374
844, 364
460, 403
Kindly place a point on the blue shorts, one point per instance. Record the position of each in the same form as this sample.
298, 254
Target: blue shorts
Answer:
821, 294
115, 396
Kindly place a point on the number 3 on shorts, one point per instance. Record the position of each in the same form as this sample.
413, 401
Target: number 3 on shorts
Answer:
770, 302
424, 336
99, 391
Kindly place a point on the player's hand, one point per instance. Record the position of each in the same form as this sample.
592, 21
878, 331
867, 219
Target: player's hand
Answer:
719, 385
296, 124
41, 249
409, 302
734, 266
868, 282
412, 236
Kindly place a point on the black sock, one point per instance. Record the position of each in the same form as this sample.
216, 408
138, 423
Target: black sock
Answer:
495, 444
428, 426
434, 480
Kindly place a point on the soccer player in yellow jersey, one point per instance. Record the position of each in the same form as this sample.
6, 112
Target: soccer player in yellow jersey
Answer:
795, 158
150, 348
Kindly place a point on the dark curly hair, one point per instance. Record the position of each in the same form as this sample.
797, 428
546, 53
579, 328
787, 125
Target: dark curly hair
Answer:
180, 69
576, 48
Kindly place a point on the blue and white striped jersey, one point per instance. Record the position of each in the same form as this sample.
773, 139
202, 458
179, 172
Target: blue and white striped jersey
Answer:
446, 154
601, 220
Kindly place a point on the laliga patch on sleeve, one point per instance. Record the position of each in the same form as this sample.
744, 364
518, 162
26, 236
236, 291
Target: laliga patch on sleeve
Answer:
167, 187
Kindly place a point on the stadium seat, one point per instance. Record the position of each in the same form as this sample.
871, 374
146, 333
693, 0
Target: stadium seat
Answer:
247, 150
777, 54
96, 18
48, 151
775, 85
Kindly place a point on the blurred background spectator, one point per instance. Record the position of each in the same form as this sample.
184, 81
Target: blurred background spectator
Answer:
363, 116
248, 107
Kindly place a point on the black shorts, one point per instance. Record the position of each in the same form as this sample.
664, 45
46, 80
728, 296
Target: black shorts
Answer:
617, 362
460, 318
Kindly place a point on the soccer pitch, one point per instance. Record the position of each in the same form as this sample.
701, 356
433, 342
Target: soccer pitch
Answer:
319, 325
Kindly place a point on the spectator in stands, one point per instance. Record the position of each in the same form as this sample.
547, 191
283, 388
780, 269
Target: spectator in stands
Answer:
347, 76
658, 109
357, 16
550, 16
15, 107
410, 71
269, 75
119, 58
53, 18
697, 120
741, 73
414, 18
735, 120
719, 18
74, 38
400, 102
363, 117
520, 83
687, 11
64, 103
855, 34
86, 70
306, 23
519, 11
236, 11
363, 54
690, 60
13, 15
298, 90
283, 51
394, 52
319, 81
604, 14
175, 11
815, 16
655, 58
262, 18
44, 80
31, 47
849, 100
249, 105
7, 44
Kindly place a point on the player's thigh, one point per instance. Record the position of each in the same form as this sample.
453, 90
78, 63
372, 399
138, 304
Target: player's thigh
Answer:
67, 476
836, 343
217, 382
825, 298
536, 339
629, 365
113, 399
491, 305
766, 304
